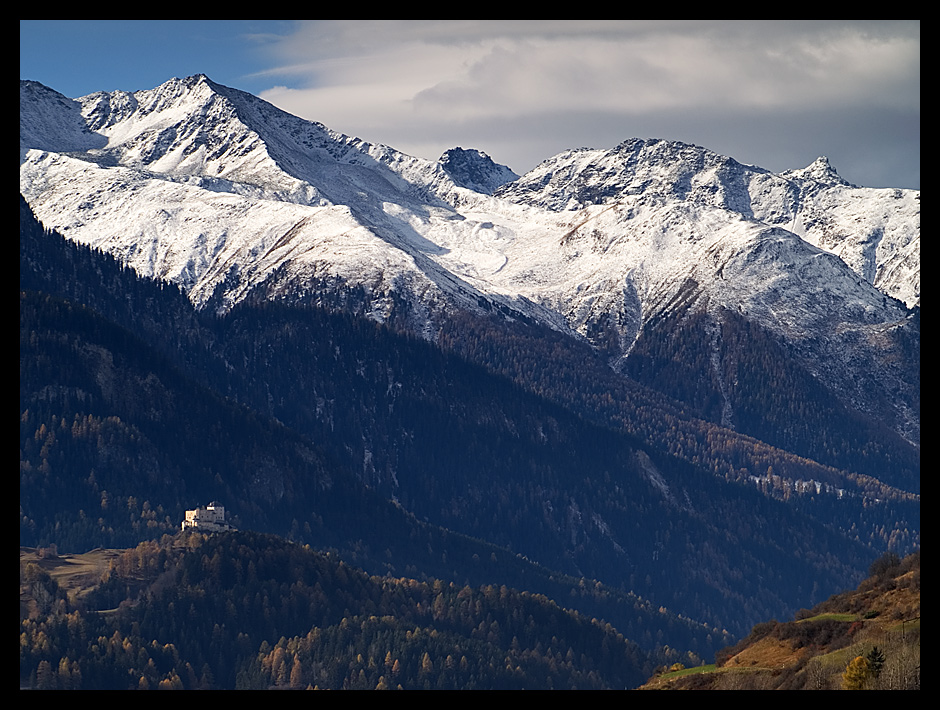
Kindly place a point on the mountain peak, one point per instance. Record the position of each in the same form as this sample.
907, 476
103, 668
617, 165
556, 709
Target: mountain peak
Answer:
52, 121
644, 168
475, 170
187, 82
821, 171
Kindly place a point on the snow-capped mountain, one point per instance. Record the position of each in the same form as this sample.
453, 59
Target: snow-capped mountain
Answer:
223, 193
875, 231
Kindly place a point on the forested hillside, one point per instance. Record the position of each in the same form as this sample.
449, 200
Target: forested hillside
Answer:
771, 397
243, 610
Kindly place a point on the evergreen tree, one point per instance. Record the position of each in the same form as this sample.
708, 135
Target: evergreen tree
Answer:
876, 660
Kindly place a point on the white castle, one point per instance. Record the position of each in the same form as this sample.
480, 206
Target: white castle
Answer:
210, 519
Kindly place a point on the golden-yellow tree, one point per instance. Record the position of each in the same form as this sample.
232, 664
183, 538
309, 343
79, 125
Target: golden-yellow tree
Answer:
856, 674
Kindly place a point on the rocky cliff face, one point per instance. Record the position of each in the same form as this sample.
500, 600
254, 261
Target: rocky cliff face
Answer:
475, 170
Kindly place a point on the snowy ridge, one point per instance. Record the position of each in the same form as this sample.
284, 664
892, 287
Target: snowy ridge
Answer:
216, 189
49, 119
875, 231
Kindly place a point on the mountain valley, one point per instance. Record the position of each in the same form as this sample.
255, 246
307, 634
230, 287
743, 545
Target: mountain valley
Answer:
667, 390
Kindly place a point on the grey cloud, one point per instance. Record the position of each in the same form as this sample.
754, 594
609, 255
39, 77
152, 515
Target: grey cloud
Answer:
783, 89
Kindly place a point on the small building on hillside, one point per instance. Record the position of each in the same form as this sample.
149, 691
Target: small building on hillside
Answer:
208, 519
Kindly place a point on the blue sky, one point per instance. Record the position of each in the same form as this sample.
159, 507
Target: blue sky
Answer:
777, 94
